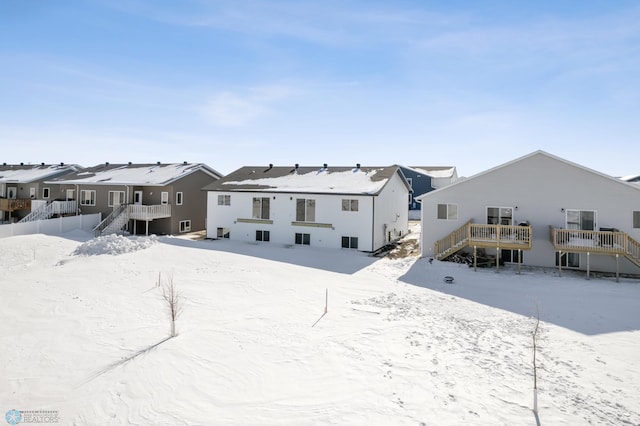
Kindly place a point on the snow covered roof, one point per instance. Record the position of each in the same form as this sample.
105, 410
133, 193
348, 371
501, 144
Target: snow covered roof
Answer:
632, 178
324, 180
10, 173
134, 174
435, 171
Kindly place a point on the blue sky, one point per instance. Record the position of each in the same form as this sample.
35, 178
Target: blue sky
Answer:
231, 83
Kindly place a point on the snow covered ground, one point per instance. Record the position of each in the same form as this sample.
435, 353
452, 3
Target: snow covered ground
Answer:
79, 318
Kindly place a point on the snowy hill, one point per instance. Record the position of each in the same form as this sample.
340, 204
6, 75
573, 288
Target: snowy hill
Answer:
85, 327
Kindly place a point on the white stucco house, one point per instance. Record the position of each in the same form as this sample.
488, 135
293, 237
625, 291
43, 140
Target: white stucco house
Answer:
361, 208
538, 210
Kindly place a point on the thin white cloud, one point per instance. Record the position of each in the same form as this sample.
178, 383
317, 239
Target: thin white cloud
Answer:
234, 109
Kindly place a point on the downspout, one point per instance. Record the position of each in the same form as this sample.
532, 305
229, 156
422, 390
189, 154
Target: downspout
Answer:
373, 223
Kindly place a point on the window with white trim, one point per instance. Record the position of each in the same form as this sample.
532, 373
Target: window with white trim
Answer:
305, 210
87, 197
46, 192
224, 200
349, 205
223, 232
636, 220
350, 242
116, 198
260, 208
448, 211
185, 225
263, 235
164, 197
179, 197
303, 239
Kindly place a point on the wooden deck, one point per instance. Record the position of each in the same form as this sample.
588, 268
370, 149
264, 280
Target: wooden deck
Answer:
595, 242
505, 237
10, 205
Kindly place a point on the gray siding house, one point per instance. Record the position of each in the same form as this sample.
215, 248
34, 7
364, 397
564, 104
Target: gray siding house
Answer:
22, 188
426, 179
141, 198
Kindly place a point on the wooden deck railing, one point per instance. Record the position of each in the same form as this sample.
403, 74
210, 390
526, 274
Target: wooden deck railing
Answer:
596, 242
452, 242
486, 236
13, 204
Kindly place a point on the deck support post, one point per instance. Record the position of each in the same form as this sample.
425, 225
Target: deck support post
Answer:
135, 222
147, 230
497, 259
559, 263
617, 268
588, 257
475, 258
519, 260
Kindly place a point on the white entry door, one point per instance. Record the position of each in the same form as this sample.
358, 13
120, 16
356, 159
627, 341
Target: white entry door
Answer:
12, 192
137, 197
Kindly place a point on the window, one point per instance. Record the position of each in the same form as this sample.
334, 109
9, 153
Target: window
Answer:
305, 210
349, 205
223, 232
262, 235
185, 225
499, 216
45, 192
70, 194
164, 198
116, 198
87, 197
448, 211
178, 198
636, 220
260, 208
571, 260
584, 220
350, 242
224, 200
304, 239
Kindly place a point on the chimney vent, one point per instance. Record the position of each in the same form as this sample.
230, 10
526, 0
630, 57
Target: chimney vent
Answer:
106, 164
324, 166
158, 163
184, 162
22, 164
42, 164
297, 165
62, 164
357, 165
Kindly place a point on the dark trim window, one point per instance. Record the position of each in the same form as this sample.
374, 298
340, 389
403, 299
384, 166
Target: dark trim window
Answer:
45, 192
263, 235
185, 225
224, 200
636, 220
448, 211
350, 242
260, 208
179, 197
349, 205
304, 239
223, 232
305, 210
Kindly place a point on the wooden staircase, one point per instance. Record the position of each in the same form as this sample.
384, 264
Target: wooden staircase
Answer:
507, 237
